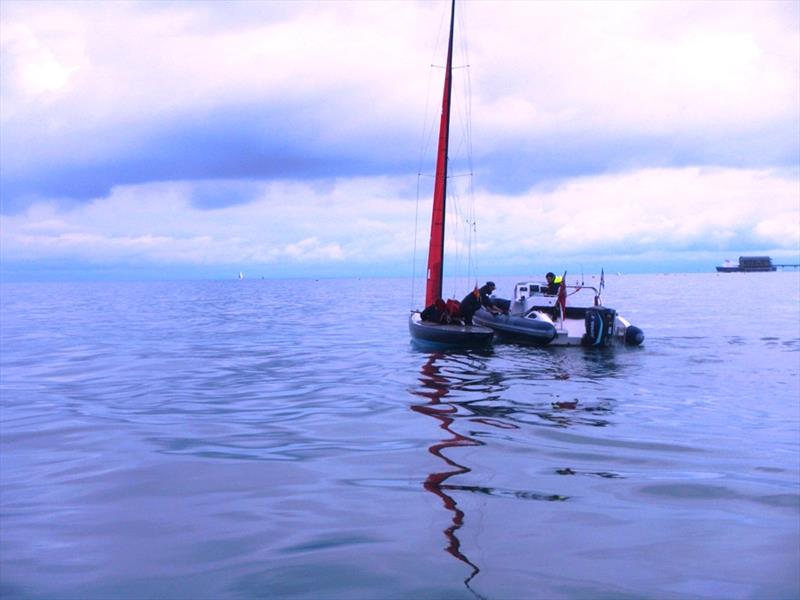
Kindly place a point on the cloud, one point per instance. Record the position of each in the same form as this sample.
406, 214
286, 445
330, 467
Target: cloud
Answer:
137, 82
98, 95
663, 208
657, 67
365, 226
153, 223
287, 134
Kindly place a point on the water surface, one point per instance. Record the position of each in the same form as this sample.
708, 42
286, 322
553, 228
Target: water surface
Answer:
245, 439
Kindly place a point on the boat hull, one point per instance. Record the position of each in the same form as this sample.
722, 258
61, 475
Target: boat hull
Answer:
604, 328
518, 328
602, 333
748, 264
746, 269
449, 335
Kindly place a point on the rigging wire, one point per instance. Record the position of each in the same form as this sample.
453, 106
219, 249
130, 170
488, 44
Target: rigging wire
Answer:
427, 137
472, 263
461, 233
414, 255
465, 231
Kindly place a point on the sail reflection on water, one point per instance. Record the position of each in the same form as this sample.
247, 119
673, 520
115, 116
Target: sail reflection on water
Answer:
460, 386
435, 386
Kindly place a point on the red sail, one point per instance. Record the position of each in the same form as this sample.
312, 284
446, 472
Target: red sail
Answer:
433, 288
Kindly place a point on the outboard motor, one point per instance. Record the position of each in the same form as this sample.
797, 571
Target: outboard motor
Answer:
599, 326
502, 303
634, 336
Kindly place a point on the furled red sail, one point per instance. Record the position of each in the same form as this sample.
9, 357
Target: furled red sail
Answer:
433, 287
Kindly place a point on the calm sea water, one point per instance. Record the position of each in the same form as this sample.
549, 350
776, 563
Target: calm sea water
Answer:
284, 439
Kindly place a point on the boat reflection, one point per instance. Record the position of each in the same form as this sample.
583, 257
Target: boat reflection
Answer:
528, 391
435, 386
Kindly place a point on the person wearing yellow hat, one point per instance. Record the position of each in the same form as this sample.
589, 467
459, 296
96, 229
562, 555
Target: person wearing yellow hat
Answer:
553, 283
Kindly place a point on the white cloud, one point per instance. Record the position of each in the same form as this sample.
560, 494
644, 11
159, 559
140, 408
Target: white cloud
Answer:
287, 223
652, 67
85, 83
649, 209
131, 67
365, 223
648, 67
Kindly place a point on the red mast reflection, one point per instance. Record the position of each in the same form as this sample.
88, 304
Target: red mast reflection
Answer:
437, 386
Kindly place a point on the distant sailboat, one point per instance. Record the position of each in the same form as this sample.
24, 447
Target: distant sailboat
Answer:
443, 334
241, 275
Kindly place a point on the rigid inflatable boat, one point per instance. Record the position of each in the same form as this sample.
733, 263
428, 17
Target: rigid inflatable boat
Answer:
574, 317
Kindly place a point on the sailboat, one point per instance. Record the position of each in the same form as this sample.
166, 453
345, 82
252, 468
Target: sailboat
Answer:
434, 332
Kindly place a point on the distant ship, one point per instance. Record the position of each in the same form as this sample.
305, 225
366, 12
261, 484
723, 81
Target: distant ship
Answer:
748, 264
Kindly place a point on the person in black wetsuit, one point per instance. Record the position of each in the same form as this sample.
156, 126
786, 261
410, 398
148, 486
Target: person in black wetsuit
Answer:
477, 298
470, 304
486, 291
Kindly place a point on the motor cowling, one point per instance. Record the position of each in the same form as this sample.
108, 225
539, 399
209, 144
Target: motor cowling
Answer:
599, 323
634, 336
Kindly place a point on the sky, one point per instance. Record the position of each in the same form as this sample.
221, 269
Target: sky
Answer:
162, 140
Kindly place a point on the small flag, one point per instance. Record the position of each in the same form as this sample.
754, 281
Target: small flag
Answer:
602, 280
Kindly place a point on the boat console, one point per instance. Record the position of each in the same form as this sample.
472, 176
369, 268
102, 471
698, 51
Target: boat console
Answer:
530, 296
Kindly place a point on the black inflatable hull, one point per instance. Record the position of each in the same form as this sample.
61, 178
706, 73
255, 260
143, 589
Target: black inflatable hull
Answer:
448, 336
517, 328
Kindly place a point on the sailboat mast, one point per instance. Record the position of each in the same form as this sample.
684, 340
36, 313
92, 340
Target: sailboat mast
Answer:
433, 288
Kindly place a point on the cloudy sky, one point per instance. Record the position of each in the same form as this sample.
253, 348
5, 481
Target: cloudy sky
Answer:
200, 139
